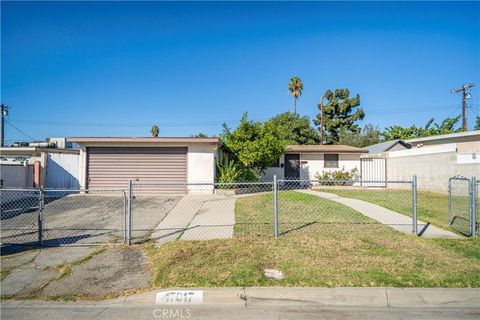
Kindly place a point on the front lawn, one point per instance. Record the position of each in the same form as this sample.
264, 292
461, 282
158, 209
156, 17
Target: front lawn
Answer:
338, 247
431, 207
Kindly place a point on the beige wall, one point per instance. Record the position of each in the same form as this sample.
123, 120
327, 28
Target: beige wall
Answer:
432, 169
17, 175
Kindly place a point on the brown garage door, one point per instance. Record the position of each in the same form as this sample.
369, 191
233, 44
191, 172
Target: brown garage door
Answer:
114, 167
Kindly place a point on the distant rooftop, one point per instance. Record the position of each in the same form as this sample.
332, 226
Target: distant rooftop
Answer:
385, 146
317, 148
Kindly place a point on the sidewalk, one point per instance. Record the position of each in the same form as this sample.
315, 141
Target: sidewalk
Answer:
385, 216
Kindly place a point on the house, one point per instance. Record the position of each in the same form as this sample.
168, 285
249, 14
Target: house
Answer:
306, 161
110, 162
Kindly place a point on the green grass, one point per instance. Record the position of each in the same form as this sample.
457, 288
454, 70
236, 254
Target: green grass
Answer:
324, 254
297, 210
431, 207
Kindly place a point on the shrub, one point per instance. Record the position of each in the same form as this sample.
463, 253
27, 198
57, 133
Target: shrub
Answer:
228, 171
337, 177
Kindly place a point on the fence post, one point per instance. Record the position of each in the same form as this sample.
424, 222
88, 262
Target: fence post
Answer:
414, 206
129, 213
275, 206
450, 202
473, 203
41, 202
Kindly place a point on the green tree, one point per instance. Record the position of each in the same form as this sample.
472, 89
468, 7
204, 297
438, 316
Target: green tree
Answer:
477, 123
155, 130
295, 87
294, 129
448, 125
367, 136
200, 135
255, 145
339, 114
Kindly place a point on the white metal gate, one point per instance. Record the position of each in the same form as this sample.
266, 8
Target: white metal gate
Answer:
373, 170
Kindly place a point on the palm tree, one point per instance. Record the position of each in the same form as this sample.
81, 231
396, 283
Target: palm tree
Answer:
295, 87
154, 131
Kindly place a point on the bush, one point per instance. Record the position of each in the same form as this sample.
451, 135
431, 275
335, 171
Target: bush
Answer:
337, 177
228, 171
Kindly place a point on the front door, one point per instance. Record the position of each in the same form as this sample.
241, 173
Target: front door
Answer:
292, 166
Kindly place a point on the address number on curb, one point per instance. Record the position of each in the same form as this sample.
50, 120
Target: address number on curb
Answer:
180, 297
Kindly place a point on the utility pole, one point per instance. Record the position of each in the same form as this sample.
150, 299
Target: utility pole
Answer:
4, 113
321, 119
464, 90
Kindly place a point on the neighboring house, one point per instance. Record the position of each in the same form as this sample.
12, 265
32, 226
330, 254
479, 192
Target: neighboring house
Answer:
110, 162
461, 137
432, 159
39, 165
306, 161
393, 145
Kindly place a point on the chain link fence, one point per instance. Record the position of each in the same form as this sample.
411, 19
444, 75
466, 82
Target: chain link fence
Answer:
346, 206
463, 205
162, 211
165, 211
19, 216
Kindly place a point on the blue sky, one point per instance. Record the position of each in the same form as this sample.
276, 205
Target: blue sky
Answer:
68, 66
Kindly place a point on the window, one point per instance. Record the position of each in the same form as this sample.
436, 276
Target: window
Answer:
275, 164
331, 161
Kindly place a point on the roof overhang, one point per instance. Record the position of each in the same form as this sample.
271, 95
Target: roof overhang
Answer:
143, 140
34, 151
446, 136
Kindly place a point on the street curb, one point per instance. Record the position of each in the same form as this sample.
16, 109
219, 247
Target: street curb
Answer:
378, 297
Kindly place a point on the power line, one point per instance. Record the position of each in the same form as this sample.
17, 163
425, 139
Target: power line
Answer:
384, 110
22, 132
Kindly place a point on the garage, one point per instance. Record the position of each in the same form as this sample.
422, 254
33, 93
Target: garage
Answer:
159, 165
113, 167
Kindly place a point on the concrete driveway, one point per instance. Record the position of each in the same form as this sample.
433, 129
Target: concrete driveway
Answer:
94, 218
198, 217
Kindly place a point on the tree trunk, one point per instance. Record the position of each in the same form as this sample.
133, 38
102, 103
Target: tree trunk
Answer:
294, 105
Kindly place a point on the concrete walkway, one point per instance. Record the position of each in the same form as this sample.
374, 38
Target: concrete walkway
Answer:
197, 217
214, 220
385, 216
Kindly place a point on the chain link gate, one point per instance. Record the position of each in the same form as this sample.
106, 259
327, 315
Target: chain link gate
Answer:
20, 216
54, 217
463, 205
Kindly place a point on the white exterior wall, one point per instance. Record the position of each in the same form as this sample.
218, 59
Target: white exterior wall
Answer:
201, 168
313, 163
278, 171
